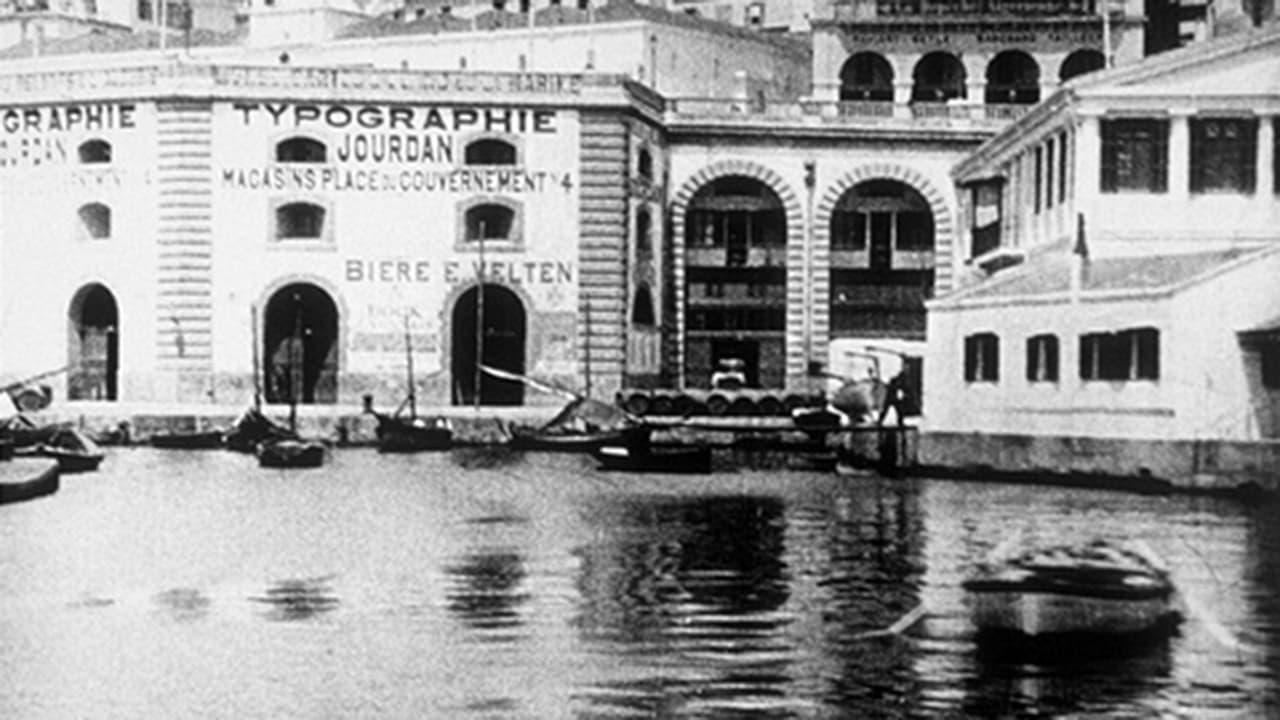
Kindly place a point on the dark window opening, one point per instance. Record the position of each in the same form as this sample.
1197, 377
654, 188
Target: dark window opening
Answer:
1223, 154
866, 76
642, 307
938, 77
644, 164
644, 240
1125, 355
96, 220
489, 222
1270, 359
95, 151
986, 199
1135, 155
1013, 77
301, 150
1042, 358
490, 151
1081, 62
299, 220
982, 358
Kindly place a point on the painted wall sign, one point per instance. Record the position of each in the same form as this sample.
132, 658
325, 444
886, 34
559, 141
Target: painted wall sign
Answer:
67, 118
332, 177
400, 117
452, 272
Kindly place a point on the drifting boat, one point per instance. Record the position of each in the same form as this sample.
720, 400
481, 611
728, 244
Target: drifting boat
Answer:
27, 479
1096, 589
401, 433
74, 451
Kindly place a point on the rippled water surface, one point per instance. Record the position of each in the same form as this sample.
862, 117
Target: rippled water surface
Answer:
481, 585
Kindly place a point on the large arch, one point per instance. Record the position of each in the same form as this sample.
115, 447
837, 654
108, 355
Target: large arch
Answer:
93, 344
300, 345
794, 254
1081, 61
938, 76
943, 235
866, 76
504, 320
1013, 78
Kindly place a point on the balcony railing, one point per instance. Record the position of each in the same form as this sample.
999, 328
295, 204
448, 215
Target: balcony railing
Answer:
815, 112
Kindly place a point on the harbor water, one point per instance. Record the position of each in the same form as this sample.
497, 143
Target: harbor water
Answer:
484, 584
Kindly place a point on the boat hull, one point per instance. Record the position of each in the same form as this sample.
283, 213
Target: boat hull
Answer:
656, 459
564, 442
27, 479
290, 454
397, 435
209, 440
72, 461
1041, 614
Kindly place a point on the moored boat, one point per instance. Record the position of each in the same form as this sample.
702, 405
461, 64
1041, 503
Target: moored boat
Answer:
193, 440
400, 434
582, 425
639, 454
290, 453
25, 479
74, 451
1100, 588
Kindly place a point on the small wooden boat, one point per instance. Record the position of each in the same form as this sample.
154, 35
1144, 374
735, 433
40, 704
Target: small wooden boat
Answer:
582, 425
74, 451
1100, 588
253, 428
24, 479
23, 432
408, 433
193, 440
290, 453
399, 434
657, 458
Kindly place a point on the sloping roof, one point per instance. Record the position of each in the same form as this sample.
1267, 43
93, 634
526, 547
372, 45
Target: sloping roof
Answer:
100, 41
1051, 275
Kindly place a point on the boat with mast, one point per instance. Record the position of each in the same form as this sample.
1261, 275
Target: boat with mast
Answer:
400, 433
253, 426
292, 451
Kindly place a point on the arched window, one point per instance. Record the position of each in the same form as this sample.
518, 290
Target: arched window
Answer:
95, 218
644, 164
1013, 78
300, 150
644, 238
490, 151
1081, 62
489, 221
866, 76
301, 220
642, 307
95, 151
938, 77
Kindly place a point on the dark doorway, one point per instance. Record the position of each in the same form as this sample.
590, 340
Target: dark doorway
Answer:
300, 346
502, 346
93, 353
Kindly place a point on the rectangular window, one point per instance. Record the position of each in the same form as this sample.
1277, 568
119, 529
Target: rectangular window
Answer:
1270, 357
1039, 170
1048, 173
1063, 164
1223, 154
1042, 358
848, 230
1125, 355
915, 230
982, 358
985, 221
1135, 155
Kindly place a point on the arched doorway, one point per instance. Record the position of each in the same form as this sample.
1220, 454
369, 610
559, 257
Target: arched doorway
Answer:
500, 346
938, 77
93, 348
882, 261
300, 346
1013, 78
1081, 62
736, 281
866, 76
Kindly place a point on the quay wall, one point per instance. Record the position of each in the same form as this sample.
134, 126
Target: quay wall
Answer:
1143, 464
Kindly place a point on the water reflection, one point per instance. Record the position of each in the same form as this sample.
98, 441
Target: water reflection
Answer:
298, 599
485, 589
183, 604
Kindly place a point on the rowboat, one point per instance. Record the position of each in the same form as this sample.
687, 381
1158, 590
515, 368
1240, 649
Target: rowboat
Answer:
1100, 588
412, 433
290, 453
74, 451
639, 454
24, 479
192, 440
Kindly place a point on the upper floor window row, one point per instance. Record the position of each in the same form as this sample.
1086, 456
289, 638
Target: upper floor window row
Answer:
1131, 354
1222, 155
